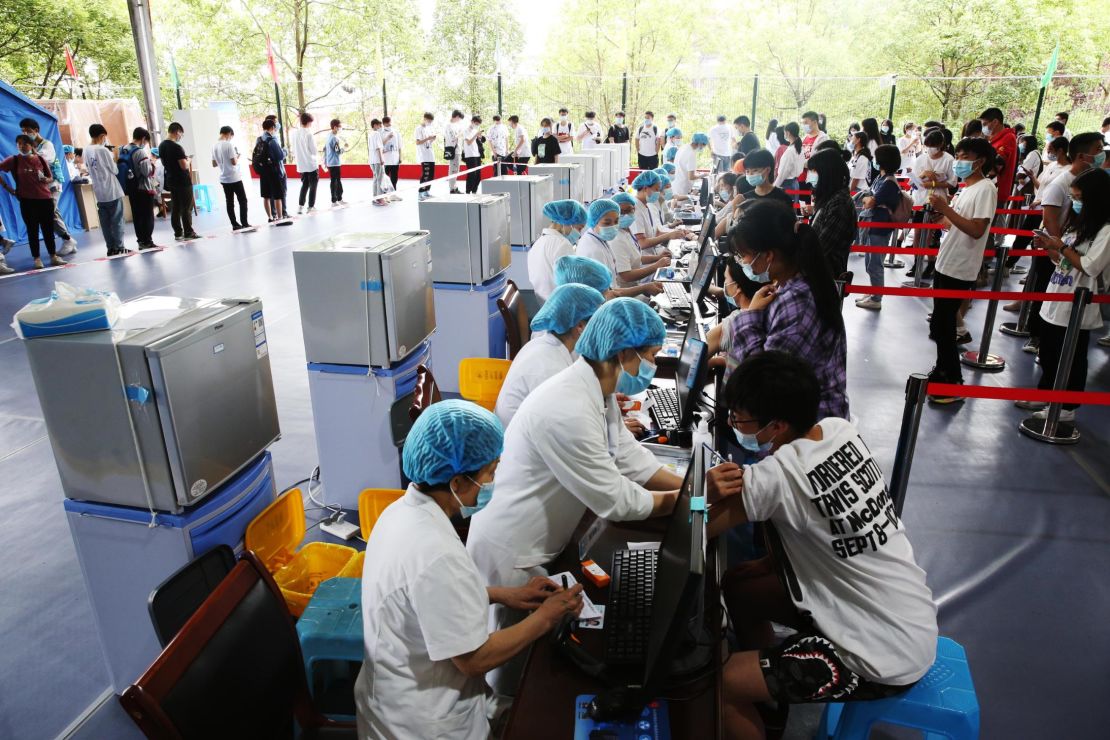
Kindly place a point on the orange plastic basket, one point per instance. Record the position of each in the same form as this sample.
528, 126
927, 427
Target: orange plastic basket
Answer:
371, 504
481, 378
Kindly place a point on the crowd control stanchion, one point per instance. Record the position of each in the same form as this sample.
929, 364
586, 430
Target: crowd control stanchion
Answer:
1051, 429
920, 236
1020, 328
982, 358
907, 439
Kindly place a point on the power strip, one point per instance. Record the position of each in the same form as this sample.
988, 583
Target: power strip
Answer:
342, 529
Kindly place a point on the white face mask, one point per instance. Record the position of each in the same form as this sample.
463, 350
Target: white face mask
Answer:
933, 151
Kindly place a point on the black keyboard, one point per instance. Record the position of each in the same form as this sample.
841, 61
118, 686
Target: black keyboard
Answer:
678, 294
628, 613
665, 407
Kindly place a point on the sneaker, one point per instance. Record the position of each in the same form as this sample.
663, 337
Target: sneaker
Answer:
1066, 415
311, 209
342, 202
963, 337
192, 237
6, 245
57, 261
1033, 346
1030, 405
69, 246
38, 264
246, 226
1105, 341
945, 400
1013, 307
380, 202
179, 238
869, 303
300, 210
5, 270
395, 197
1018, 270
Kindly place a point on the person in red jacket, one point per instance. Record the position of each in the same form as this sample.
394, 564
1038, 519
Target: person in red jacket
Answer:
1004, 141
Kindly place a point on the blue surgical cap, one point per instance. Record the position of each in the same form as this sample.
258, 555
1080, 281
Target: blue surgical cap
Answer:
623, 323
646, 179
599, 208
674, 133
451, 437
664, 182
660, 170
154, 151
567, 306
570, 268
670, 154
669, 168
700, 138
565, 212
621, 198
67, 149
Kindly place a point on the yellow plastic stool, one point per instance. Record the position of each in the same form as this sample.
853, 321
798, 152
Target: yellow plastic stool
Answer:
371, 504
481, 378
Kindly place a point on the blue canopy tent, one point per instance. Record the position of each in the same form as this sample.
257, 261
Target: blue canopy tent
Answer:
14, 107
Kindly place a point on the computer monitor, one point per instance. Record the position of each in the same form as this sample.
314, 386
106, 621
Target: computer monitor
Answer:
701, 279
690, 375
703, 199
679, 575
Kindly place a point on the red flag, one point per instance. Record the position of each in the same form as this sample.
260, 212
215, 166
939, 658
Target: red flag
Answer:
270, 60
69, 64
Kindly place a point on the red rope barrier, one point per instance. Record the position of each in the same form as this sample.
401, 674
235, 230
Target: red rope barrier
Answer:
1018, 394
933, 251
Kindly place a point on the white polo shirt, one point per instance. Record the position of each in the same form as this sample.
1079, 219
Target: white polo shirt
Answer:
594, 134
425, 152
720, 140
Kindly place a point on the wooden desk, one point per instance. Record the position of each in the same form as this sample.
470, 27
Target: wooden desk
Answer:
544, 706
86, 205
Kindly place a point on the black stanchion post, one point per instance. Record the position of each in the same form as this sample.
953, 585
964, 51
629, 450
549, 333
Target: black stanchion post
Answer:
920, 237
907, 439
1051, 429
1020, 328
624, 93
893, 91
500, 97
755, 97
982, 358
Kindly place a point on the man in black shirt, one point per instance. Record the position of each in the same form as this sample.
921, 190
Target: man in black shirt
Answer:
179, 183
748, 142
545, 147
618, 132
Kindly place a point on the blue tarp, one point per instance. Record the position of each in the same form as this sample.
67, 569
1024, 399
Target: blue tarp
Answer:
15, 106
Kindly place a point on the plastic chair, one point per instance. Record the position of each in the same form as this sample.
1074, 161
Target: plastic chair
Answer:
330, 633
173, 601
517, 329
425, 392
481, 378
201, 198
941, 704
371, 504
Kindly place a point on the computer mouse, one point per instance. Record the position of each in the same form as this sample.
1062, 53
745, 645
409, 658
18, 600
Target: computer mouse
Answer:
617, 703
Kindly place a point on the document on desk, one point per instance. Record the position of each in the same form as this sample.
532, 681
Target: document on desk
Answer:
589, 609
644, 545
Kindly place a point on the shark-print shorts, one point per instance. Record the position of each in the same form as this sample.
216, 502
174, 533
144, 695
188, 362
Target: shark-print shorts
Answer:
806, 668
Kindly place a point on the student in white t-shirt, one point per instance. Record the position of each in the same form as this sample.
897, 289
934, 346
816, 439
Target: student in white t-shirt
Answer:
425, 137
303, 145
720, 144
859, 167
377, 162
564, 132
909, 144
391, 154
225, 156
843, 573
499, 144
932, 169
968, 221
647, 143
452, 144
521, 146
589, 133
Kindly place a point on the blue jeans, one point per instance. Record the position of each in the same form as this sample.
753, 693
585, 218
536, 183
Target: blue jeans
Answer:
111, 223
873, 262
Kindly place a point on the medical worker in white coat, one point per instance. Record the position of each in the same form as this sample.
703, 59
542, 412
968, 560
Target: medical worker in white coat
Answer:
425, 605
572, 268
686, 164
561, 320
568, 218
568, 451
602, 218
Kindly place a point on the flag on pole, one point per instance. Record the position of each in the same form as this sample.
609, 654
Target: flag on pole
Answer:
270, 60
70, 67
380, 63
1047, 79
173, 72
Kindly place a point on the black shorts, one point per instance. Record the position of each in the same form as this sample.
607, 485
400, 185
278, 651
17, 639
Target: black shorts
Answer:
806, 668
271, 185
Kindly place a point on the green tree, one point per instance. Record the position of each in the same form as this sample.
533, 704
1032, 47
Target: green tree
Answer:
470, 40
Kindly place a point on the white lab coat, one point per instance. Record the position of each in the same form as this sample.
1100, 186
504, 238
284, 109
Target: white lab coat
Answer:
685, 162
593, 246
541, 261
424, 603
566, 450
543, 357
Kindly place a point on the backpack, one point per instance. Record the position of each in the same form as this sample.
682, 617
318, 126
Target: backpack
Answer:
261, 159
55, 167
125, 170
903, 212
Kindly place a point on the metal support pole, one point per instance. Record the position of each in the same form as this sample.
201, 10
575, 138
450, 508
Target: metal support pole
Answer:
177, 94
919, 238
755, 97
500, 97
893, 91
907, 439
280, 114
1051, 429
148, 66
624, 92
1020, 328
385, 99
982, 358
1037, 115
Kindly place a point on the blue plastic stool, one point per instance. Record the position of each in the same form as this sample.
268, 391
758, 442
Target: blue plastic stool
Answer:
330, 631
202, 198
941, 704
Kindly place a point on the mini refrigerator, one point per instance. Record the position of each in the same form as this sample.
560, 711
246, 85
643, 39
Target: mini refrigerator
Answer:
568, 179
124, 553
366, 299
592, 163
528, 194
163, 408
469, 236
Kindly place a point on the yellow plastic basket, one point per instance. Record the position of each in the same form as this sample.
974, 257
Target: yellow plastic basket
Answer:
371, 504
480, 379
353, 568
274, 536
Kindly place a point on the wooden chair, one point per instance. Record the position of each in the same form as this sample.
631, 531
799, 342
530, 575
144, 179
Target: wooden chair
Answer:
178, 597
425, 393
234, 670
517, 329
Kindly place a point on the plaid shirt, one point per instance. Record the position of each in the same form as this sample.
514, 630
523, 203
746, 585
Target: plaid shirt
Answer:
835, 224
790, 324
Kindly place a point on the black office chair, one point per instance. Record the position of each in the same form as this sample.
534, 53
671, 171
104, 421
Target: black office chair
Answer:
425, 393
517, 329
178, 597
235, 669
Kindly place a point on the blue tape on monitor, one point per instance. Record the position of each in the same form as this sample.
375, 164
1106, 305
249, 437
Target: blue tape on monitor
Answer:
697, 503
138, 394
653, 723
372, 286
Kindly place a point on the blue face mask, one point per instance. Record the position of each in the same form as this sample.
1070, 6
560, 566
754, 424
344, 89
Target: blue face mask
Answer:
668, 194
626, 221
730, 300
485, 493
655, 197
760, 277
1077, 206
647, 122
755, 180
811, 177
1048, 138
607, 233
963, 168
630, 385
874, 165
1099, 160
1021, 148
574, 236
724, 195
751, 443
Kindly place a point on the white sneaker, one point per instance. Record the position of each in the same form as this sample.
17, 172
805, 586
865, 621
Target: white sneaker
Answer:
1105, 341
4, 269
869, 303
300, 210
395, 197
343, 203
6, 245
1066, 415
69, 246
311, 209
1031, 405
